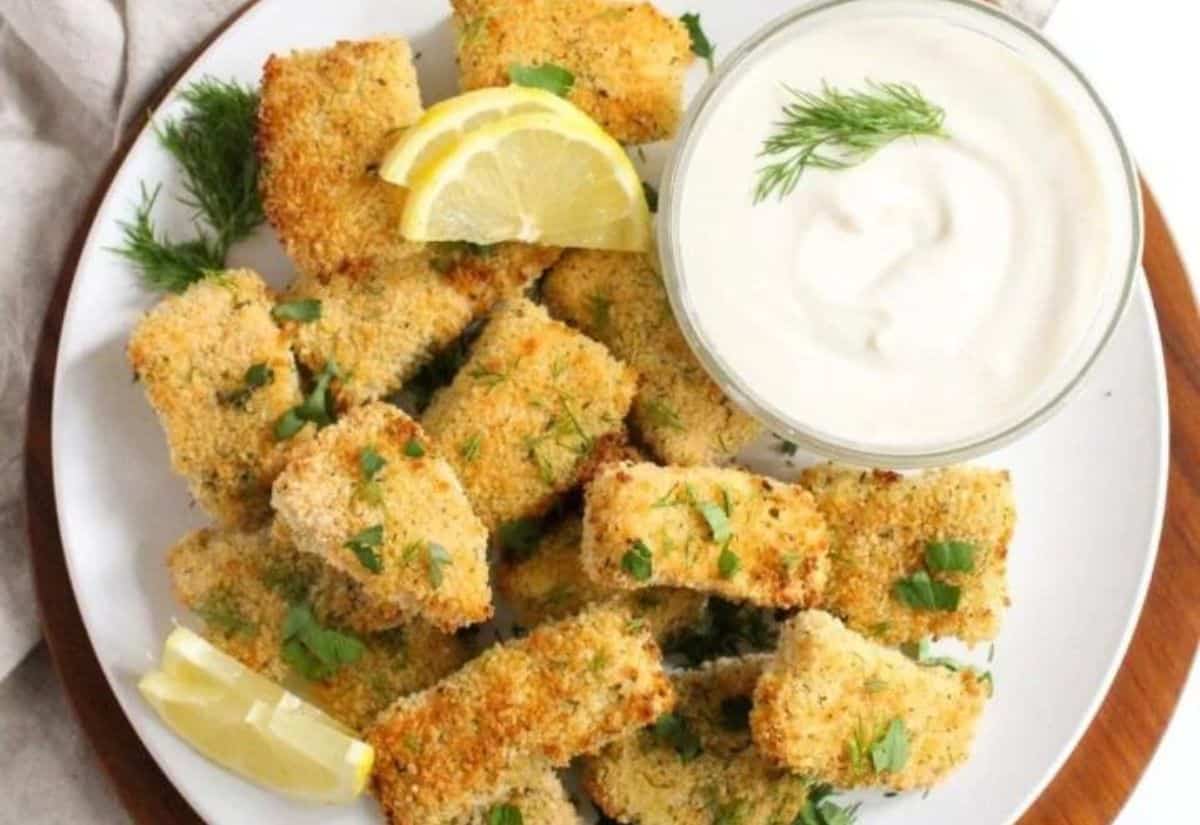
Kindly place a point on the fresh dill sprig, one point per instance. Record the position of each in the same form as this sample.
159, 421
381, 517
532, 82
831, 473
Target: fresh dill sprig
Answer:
213, 144
836, 129
166, 265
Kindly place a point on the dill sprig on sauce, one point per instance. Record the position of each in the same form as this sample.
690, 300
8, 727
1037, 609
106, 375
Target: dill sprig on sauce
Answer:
213, 144
836, 129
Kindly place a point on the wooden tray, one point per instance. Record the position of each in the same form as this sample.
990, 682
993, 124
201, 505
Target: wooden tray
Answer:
1089, 790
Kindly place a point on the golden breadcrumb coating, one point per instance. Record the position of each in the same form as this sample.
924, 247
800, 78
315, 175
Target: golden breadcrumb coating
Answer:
628, 59
524, 416
241, 585
879, 525
193, 354
618, 298
729, 532
543, 802
380, 326
411, 520
551, 584
826, 701
646, 779
519, 709
325, 120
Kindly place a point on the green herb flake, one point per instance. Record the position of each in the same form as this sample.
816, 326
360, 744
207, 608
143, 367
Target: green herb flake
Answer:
735, 713
439, 558
920, 592
547, 76
785, 447
637, 561
702, 47
519, 538
259, 375
835, 129
364, 545
717, 518
662, 415
288, 425
313, 651
220, 611
674, 730
414, 449
470, 448
504, 815
371, 462
889, 753
728, 563
651, 196
820, 810
600, 311
303, 311
951, 555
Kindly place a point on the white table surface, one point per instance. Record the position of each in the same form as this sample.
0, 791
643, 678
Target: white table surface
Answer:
1142, 55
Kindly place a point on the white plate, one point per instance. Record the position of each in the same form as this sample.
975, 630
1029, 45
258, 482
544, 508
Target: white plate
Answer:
1090, 483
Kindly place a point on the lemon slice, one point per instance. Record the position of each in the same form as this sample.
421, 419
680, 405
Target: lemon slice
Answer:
538, 178
252, 726
443, 124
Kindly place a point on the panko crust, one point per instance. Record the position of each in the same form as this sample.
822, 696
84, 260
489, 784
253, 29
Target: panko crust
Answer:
628, 59
778, 535
241, 585
519, 709
433, 549
551, 584
879, 524
191, 354
543, 802
524, 417
679, 412
325, 120
643, 779
829, 693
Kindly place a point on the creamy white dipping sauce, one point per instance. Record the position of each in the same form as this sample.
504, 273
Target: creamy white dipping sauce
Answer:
932, 294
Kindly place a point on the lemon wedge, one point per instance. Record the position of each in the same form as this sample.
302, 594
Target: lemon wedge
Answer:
444, 123
537, 178
252, 726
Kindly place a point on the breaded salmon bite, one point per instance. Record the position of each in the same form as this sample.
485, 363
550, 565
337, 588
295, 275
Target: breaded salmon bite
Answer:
742, 536
550, 584
372, 497
919, 555
618, 298
627, 59
697, 765
326, 119
244, 585
543, 801
837, 707
525, 415
519, 709
219, 374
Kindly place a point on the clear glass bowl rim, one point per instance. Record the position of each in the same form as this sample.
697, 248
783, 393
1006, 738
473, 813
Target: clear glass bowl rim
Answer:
823, 444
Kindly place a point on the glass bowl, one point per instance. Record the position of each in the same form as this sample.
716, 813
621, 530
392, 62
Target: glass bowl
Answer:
1113, 155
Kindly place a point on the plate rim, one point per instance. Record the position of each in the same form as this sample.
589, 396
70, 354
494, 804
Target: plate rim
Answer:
45, 539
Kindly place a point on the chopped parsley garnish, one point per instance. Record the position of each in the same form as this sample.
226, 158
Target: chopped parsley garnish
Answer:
317, 408
547, 76
728, 562
651, 196
438, 559
662, 415
288, 425
220, 611
414, 448
637, 561
600, 310
470, 448
922, 653
889, 753
289, 581
504, 815
788, 448
701, 46
304, 311
950, 555
674, 730
725, 629
735, 712
820, 810
519, 538
364, 545
717, 518
920, 592
258, 375
488, 377
371, 463
313, 651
